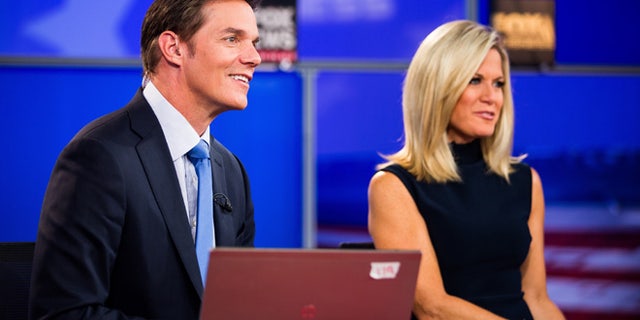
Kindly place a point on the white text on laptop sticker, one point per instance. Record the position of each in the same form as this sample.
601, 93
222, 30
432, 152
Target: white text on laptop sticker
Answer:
384, 270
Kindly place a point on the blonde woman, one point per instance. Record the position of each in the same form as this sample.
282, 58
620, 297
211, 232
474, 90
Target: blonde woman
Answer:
455, 192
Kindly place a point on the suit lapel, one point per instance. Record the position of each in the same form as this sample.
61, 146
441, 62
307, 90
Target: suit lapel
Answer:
156, 159
223, 220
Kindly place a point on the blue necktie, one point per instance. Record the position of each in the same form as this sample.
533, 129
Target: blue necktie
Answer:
199, 156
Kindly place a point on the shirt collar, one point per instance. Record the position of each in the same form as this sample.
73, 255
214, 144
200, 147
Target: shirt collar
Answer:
180, 135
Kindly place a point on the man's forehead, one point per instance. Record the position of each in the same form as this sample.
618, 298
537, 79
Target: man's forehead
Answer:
240, 20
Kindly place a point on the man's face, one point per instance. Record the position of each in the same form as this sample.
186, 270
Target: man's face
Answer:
224, 57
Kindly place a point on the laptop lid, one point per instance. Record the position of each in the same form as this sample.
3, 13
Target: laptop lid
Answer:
310, 284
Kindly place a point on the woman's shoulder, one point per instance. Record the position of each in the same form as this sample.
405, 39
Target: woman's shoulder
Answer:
394, 168
385, 180
396, 175
397, 170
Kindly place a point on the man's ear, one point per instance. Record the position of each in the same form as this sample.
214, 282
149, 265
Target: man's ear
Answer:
171, 47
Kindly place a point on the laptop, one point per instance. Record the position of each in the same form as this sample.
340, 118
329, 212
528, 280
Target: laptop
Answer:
282, 284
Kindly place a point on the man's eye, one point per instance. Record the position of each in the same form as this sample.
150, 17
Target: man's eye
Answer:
232, 39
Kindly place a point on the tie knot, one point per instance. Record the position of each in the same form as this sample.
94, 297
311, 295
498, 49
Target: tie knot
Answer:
200, 151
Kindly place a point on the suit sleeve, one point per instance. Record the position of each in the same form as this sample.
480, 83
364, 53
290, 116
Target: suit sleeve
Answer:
247, 234
78, 235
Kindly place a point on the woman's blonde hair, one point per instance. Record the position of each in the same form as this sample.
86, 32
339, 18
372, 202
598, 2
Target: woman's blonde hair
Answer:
440, 70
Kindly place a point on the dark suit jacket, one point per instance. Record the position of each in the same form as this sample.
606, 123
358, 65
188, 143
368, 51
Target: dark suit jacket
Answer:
113, 240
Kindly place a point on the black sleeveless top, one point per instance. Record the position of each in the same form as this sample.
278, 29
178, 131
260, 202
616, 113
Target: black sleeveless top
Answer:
479, 230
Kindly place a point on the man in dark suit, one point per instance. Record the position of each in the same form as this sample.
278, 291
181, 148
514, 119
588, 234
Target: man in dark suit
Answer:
117, 228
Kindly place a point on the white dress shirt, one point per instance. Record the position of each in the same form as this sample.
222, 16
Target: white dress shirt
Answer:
181, 137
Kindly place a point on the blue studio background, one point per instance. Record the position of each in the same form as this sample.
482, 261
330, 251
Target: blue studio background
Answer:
66, 62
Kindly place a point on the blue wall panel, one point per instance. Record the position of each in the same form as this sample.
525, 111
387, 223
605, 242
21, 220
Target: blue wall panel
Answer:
72, 28
267, 137
369, 29
358, 116
588, 32
580, 131
579, 112
45, 107
588, 119
581, 134
598, 32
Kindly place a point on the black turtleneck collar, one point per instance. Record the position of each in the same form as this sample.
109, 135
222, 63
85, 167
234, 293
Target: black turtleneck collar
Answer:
467, 153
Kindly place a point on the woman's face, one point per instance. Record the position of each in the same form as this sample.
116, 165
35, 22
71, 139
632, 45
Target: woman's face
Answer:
478, 109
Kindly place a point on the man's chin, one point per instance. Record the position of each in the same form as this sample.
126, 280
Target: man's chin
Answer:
239, 107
